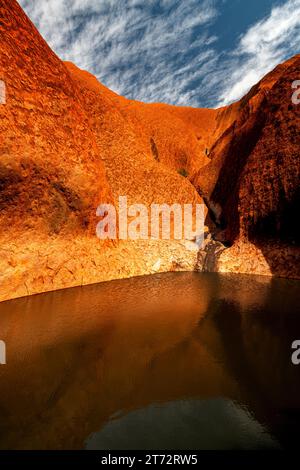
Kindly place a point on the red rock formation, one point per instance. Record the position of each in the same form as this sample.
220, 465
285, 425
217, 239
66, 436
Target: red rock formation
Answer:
51, 175
67, 144
252, 183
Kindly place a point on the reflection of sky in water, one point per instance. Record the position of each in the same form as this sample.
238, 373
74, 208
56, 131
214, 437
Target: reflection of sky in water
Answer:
188, 424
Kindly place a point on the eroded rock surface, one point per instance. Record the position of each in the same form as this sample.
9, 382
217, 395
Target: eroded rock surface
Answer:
68, 144
252, 183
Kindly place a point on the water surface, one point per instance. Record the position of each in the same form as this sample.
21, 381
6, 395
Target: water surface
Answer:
177, 361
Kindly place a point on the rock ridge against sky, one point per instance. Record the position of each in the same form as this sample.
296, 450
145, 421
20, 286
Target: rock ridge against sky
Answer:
68, 144
202, 53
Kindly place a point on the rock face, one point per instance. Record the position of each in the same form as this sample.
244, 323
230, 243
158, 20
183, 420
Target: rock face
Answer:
68, 144
251, 185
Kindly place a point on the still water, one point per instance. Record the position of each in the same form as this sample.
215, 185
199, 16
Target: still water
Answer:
175, 361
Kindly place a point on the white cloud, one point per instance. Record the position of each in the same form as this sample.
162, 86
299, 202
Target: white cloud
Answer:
137, 48
261, 48
166, 50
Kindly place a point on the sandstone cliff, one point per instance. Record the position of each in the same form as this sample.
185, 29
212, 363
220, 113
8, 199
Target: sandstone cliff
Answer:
67, 144
251, 185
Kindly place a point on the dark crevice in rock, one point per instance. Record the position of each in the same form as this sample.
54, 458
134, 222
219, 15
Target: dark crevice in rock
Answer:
208, 255
154, 149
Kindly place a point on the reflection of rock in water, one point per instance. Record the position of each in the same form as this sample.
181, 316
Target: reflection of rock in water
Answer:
214, 424
80, 356
257, 319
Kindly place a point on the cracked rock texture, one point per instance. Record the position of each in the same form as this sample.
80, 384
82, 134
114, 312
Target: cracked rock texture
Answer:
252, 183
68, 144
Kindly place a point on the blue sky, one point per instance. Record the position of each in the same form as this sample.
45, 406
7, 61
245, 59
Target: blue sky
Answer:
203, 53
